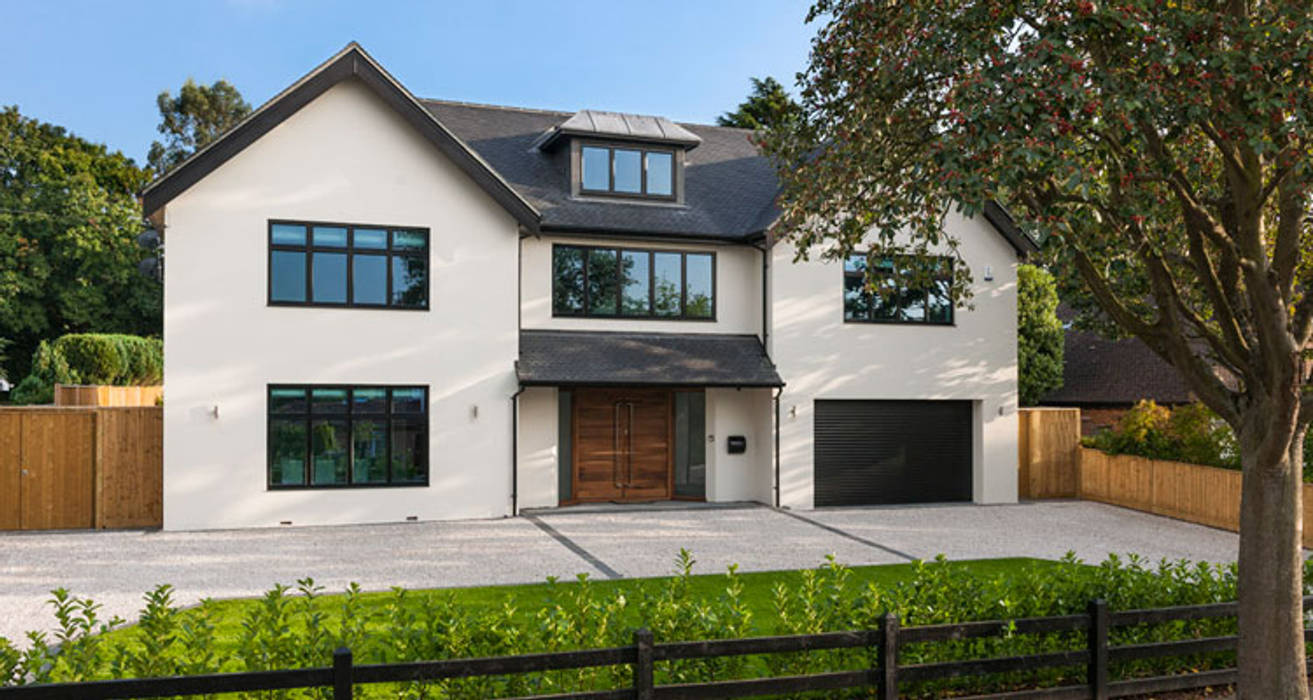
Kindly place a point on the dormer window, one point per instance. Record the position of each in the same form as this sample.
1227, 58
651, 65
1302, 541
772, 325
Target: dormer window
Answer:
627, 171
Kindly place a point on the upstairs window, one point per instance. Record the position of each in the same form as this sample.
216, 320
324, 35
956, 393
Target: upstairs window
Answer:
912, 290
632, 283
345, 265
637, 172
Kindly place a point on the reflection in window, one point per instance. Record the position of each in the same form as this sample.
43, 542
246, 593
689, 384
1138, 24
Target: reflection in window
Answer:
632, 283
595, 164
602, 282
568, 281
336, 265
667, 283
698, 285
905, 289
637, 278
660, 173
629, 171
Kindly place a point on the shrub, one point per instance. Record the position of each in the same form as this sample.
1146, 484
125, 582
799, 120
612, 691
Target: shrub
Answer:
91, 358
1189, 433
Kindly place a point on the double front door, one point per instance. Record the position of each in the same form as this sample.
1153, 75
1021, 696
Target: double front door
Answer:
622, 444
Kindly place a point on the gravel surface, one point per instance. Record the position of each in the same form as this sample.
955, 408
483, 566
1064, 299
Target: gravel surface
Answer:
115, 568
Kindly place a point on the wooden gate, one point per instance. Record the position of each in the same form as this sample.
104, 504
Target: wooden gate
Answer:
68, 468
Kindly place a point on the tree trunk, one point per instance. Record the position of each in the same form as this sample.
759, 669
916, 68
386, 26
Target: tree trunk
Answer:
1271, 653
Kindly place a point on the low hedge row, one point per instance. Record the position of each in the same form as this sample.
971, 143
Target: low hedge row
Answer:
293, 628
91, 358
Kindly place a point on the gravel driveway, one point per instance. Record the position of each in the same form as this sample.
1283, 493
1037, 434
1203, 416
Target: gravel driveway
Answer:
115, 568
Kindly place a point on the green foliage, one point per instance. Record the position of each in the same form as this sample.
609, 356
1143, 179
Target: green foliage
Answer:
197, 116
1039, 334
769, 105
299, 627
1190, 433
68, 256
91, 358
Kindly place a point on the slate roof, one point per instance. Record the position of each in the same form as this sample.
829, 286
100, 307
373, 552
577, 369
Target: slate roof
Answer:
729, 187
1097, 370
615, 125
562, 358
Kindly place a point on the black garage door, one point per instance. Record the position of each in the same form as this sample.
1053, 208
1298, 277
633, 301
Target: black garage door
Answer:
877, 452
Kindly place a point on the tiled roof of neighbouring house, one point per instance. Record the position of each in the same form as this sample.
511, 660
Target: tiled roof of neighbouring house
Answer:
1097, 370
562, 358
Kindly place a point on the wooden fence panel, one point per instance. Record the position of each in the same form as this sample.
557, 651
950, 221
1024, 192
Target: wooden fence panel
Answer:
58, 460
10, 469
129, 467
1048, 442
104, 395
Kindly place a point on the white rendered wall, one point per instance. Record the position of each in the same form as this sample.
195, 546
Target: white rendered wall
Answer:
748, 476
821, 357
537, 445
346, 157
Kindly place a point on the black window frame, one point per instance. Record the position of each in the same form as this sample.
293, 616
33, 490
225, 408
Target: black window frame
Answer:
309, 416
945, 260
389, 253
651, 314
642, 150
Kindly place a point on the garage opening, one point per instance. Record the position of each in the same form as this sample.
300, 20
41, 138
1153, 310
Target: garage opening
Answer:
887, 452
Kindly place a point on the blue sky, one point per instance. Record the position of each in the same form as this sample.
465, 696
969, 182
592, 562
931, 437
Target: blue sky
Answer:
96, 67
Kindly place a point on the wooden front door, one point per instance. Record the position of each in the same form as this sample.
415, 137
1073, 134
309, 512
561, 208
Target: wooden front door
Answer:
622, 444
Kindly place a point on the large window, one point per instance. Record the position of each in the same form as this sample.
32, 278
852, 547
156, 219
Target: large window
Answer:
627, 171
907, 289
629, 283
348, 436
346, 265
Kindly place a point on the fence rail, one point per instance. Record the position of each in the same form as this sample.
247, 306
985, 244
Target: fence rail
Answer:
885, 675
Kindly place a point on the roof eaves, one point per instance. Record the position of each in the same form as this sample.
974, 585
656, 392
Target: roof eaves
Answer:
1001, 220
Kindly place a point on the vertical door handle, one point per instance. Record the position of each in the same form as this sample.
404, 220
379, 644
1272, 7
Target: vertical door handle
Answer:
629, 447
615, 445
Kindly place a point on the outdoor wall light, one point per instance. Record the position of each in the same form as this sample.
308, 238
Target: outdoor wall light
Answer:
793, 411
989, 273
474, 412
214, 411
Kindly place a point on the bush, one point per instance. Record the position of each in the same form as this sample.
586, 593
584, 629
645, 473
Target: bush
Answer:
1189, 433
91, 358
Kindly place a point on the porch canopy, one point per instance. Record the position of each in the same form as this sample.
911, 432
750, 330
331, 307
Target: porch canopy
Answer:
566, 358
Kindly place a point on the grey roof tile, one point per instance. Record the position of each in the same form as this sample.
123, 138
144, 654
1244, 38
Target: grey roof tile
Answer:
558, 358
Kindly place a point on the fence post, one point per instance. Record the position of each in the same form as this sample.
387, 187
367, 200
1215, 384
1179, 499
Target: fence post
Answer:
342, 674
643, 686
888, 689
1098, 645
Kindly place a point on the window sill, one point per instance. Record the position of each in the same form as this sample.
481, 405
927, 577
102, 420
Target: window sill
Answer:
362, 307
663, 319
917, 324
343, 487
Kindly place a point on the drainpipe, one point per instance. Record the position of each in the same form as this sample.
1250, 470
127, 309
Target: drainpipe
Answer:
765, 275
515, 451
778, 392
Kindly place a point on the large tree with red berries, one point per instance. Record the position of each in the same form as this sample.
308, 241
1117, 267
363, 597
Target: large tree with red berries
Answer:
1161, 151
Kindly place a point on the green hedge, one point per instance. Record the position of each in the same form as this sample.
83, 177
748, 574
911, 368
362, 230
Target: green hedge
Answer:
91, 358
299, 627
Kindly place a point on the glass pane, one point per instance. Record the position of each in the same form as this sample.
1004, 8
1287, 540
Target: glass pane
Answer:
373, 238
595, 164
698, 299
287, 276
911, 289
668, 278
409, 281
329, 278
409, 240
369, 279
369, 400
690, 444
369, 451
856, 302
288, 234
855, 263
637, 278
287, 452
886, 303
409, 451
660, 174
567, 280
628, 171
330, 235
328, 400
408, 400
603, 284
940, 306
328, 452
287, 401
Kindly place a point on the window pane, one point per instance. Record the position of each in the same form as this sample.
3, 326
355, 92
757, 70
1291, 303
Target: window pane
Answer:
603, 284
567, 280
328, 400
940, 306
369, 400
660, 173
637, 278
330, 235
669, 279
699, 302
372, 238
288, 234
409, 240
856, 302
287, 452
409, 451
409, 281
370, 451
855, 263
287, 401
329, 278
595, 164
628, 171
328, 452
408, 400
287, 276
369, 279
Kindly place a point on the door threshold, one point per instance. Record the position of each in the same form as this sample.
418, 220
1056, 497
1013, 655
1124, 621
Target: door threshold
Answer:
638, 507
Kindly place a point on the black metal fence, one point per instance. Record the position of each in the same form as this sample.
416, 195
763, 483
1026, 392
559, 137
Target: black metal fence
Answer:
884, 676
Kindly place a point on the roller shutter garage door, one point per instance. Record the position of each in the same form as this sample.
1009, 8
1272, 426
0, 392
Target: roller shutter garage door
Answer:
881, 452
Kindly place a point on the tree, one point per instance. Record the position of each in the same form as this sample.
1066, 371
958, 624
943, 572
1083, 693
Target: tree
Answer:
1160, 151
68, 255
197, 116
768, 105
1039, 335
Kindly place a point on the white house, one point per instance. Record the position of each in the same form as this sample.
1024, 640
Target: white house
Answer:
382, 308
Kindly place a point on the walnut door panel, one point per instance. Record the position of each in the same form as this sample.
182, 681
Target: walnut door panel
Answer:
621, 444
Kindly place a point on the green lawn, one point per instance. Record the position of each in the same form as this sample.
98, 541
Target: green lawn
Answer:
527, 599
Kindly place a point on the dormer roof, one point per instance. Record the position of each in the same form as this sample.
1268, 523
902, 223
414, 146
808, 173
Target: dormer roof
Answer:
617, 126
